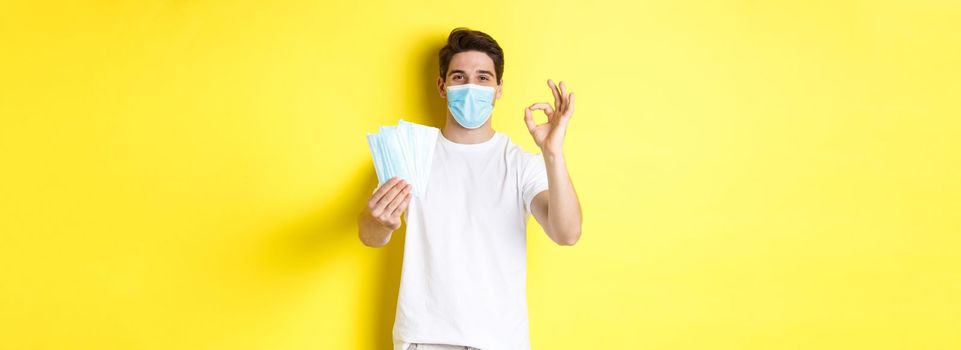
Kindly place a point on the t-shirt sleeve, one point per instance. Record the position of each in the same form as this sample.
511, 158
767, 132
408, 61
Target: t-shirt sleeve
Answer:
533, 178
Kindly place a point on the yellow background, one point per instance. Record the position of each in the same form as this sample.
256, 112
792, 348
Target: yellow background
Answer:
754, 175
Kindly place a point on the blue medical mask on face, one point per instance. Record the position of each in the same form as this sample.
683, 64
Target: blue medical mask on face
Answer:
470, 104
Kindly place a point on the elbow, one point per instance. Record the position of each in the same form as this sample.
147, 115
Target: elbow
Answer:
369, 240
367, 237
373, 243
569, 233
569, 241
570, 238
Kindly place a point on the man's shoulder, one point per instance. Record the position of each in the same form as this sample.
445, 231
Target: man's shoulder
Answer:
511, 145
515, 153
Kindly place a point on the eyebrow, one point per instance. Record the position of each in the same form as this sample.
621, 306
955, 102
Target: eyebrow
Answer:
462, 72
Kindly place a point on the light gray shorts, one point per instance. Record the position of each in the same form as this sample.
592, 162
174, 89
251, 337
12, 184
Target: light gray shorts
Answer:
423, 346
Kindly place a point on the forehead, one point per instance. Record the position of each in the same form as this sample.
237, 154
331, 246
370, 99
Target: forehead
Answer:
471, 61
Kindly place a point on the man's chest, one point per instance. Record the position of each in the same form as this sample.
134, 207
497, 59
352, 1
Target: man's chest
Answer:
473, 190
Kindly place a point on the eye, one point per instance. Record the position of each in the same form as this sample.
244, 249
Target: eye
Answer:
484, 77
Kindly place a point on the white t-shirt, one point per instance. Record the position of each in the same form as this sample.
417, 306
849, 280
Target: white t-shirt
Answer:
464, 276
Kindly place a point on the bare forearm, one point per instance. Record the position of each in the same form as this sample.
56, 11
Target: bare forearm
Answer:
383, 212
371, 232
564, 211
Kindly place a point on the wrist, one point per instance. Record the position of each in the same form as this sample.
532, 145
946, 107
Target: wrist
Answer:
552, 155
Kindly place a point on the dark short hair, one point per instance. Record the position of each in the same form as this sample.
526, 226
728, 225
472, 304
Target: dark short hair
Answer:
463, 39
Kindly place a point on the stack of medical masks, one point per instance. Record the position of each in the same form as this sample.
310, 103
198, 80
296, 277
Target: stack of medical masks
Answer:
405, 150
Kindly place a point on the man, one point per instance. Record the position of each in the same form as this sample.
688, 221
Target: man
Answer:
463, 281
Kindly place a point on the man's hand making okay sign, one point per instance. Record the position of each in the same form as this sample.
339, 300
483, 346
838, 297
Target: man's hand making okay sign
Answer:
550, 135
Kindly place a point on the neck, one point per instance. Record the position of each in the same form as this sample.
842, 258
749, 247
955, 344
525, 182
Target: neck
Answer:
459, 134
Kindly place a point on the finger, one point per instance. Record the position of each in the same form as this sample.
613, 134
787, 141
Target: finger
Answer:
566, 111
566, 116
557, 97
563, 91
529, 119
384, 188
389, 197
396, 202
543, 106
403, 206
383, 207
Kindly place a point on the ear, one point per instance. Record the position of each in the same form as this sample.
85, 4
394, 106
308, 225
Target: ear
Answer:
500, 90
440, 87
